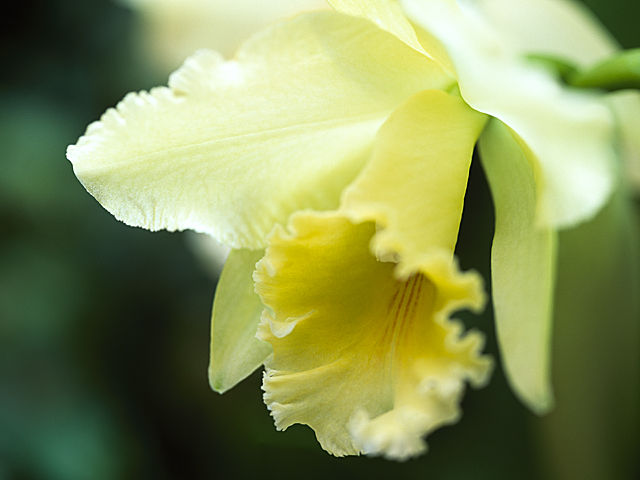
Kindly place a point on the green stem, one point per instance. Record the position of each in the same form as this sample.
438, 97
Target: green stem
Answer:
619, 72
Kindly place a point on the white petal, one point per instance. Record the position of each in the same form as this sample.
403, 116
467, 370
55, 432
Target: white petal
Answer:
570, 133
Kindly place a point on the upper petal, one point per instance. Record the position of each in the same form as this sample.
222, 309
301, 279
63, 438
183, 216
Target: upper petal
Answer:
569, 132
369, 359
230, 148
386, 14
414, 185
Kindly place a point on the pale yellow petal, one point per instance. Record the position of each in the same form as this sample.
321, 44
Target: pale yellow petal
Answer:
235, 350
371, 361
414, 186
231, 148
522, 268
571, 133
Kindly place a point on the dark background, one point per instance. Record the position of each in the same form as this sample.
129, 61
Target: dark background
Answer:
104, 329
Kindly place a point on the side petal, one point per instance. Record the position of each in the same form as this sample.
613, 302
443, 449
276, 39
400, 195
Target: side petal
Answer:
235, 350
522, 266
386, 14
414, 186
571, 133
371, 361
231, 148
560, 28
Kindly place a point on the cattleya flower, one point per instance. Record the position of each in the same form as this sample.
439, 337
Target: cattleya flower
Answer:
332, 155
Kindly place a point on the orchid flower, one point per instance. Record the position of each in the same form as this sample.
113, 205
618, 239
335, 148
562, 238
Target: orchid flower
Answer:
332, 155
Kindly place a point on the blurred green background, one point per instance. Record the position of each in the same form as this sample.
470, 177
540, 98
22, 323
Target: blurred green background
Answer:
104, 329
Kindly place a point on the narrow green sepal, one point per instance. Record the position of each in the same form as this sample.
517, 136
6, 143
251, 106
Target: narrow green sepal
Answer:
235, 350
523, 259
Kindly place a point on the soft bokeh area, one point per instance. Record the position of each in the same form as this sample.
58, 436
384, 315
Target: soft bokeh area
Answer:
104, 328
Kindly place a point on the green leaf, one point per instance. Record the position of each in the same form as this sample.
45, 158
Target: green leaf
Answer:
593, 433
